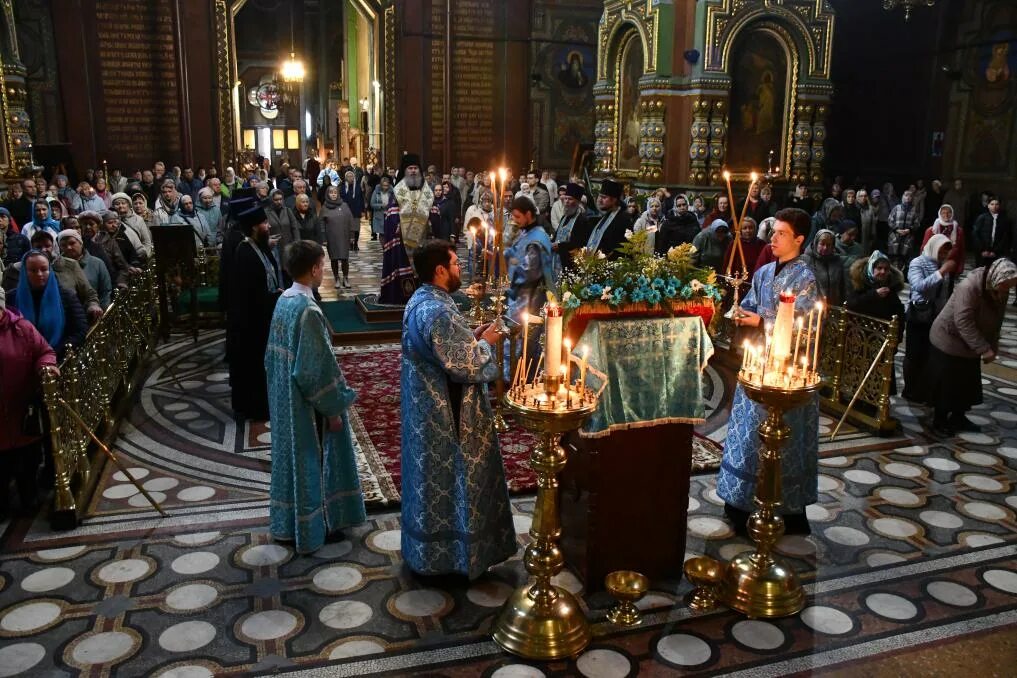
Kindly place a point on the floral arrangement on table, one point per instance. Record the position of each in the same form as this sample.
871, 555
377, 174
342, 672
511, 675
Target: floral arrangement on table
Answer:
639, 282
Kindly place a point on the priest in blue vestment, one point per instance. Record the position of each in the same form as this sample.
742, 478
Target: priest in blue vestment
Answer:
736, 480
315, 487
456, 517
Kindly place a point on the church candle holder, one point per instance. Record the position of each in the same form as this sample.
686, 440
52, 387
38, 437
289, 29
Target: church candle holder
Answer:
757, 583
542, 621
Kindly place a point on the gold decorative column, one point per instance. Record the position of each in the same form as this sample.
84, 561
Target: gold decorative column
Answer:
603, 132
801, 154
651, 139
818, 154
700, 149
718, 140
226, 117
14, 100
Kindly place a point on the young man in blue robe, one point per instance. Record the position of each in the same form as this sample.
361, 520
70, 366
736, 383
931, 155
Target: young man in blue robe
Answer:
456, 517
736, 480
315, 487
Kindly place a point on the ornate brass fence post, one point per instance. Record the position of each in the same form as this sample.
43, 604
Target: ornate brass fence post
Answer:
64, 506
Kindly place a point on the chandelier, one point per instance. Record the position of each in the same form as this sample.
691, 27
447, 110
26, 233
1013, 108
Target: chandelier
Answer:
908, 5
292, 69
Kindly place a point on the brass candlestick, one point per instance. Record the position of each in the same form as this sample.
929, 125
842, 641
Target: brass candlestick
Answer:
543, 621
500, 425
756, 583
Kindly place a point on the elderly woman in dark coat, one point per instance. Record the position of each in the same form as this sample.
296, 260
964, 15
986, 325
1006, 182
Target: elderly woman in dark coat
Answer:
338, 223
875, 291
965, 335
827, 266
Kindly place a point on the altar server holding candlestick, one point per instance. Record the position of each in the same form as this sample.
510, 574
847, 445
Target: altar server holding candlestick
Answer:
736, 481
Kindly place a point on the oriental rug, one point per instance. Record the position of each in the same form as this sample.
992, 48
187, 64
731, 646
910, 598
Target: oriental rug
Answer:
374, 372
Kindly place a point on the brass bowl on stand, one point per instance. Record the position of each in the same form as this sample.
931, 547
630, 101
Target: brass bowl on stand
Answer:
628, 588
704, 573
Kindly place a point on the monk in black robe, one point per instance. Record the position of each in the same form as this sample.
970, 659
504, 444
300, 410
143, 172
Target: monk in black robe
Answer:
255, 284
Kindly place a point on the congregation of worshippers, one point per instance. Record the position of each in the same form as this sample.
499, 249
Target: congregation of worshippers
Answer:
936, 252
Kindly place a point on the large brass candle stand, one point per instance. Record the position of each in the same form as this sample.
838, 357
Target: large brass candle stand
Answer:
756, 583
540, 620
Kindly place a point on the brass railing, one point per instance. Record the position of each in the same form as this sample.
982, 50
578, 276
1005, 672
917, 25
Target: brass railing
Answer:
95, 379
851, 342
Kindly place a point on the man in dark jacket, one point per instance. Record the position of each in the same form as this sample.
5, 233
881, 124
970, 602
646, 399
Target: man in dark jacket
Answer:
607, 233
991, 234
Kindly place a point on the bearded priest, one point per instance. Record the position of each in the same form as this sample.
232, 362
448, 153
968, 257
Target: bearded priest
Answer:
456, 517
406, 226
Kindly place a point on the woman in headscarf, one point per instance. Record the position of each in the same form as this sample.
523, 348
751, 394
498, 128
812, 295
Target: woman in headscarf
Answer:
53, 310
848, 246
139, 202
965, 335
230, 183
867, 222
699, 210
68, 196
650, 221
281, 221
931, 279
827, 266
710, 245
211, 213
829, 216
102, 192
56, 209
875, 291
13, 245
851, 209
337, 221
41, 221
721, 210
380, 197
946, 225
186, 214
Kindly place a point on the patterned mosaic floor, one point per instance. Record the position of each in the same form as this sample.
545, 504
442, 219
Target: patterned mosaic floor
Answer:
911, 568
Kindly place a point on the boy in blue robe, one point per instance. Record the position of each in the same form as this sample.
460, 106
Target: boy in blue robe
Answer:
736, 480
315, 487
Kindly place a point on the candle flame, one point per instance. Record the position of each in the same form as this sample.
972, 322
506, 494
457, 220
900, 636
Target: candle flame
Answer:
819, 306
502, 173
754, 177
799, 322
568, 344
727, 175
493, 175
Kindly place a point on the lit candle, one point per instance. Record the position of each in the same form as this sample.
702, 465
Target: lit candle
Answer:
568, 360
473, 252
805, 371
769, 346
582, 370
526, 341
730, 194
552, 339
784, 326
798, 339
745, 355
819, 331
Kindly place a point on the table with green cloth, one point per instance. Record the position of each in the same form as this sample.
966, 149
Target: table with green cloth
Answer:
625, 486
654, 371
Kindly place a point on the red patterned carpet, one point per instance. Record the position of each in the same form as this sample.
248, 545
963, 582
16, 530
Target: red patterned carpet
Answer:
374, 373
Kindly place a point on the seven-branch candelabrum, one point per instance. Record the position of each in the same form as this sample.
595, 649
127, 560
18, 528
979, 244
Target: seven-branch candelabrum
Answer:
559, 380
788, 357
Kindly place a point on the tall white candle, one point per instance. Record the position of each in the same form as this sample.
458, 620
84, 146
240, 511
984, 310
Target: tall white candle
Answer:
819, 331
526, 343
552, 339
783, 327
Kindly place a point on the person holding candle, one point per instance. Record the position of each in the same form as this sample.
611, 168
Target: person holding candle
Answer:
456, 517
789, 276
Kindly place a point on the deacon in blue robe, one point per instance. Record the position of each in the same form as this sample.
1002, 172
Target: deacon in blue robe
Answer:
736, 480
315, 486
456, 517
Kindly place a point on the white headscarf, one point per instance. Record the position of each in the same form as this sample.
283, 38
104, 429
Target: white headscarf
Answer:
932, 247
940, 226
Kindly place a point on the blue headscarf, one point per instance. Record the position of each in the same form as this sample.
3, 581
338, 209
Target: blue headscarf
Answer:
870, 266
50, 321
47, 224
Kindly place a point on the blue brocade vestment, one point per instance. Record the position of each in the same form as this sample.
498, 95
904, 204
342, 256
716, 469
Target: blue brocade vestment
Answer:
456, 516
736, 481
315, 486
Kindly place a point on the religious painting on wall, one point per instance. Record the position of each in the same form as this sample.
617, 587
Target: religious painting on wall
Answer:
575, 67
991, 74
630, 69
759, 100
